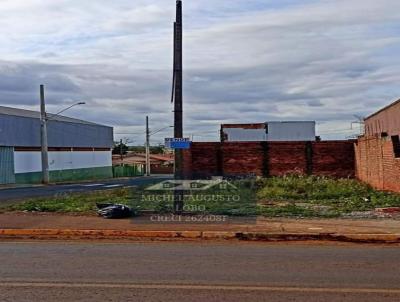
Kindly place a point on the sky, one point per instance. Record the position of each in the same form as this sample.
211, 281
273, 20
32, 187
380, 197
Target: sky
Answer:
245, 61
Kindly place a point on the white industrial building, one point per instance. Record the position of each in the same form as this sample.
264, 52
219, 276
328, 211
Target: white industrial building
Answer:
78, 150
269, 131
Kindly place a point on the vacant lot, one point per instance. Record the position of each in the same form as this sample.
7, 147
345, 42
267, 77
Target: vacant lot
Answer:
290, 196
319, 197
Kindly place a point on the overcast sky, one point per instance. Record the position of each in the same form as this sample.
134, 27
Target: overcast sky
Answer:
244, 60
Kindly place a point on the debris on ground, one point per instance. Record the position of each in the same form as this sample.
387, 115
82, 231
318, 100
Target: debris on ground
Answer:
114, 211
360, 214
392, 212
388, 210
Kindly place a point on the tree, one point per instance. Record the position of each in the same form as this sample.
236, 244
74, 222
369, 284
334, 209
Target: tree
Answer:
157, 150
137, 149
120, 148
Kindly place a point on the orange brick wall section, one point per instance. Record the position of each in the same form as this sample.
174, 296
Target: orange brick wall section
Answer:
376, 163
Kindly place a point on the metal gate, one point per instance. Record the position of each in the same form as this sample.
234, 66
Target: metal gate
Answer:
7, 175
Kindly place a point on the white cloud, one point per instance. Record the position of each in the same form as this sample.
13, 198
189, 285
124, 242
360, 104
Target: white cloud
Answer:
245, 61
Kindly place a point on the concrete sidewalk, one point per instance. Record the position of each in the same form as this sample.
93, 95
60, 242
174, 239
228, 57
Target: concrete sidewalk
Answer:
32, 225
20, 220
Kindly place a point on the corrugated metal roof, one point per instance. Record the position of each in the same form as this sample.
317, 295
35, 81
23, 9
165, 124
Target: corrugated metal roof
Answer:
36, 115
21, 128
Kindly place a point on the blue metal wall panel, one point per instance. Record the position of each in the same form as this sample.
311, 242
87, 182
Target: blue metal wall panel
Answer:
19, 131
7, 175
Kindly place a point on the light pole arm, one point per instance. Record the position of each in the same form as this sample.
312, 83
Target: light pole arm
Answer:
52, 116
159, 130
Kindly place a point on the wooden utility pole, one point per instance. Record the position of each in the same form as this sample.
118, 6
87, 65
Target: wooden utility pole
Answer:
43, 138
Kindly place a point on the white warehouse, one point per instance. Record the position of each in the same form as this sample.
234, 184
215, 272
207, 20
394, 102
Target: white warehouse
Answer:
269, 131
78, 150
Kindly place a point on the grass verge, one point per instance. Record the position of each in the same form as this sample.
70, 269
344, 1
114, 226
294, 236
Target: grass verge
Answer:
83, 203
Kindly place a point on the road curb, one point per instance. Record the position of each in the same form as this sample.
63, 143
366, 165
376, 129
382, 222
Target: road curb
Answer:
354, 238
8, 234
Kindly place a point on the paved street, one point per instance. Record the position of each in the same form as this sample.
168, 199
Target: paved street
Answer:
197, 272
42, 191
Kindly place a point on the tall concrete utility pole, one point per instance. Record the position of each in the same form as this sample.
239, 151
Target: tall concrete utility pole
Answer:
148, 172
178, 88
177, 96
121, 153
43, 138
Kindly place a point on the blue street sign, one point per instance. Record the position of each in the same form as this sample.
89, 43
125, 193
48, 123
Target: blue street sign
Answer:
180, 145
177, 143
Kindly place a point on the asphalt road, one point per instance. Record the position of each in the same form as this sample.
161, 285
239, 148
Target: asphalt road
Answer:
197, 272
18, 193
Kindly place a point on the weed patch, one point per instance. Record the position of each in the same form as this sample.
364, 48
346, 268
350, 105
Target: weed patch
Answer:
72, 203
319, 196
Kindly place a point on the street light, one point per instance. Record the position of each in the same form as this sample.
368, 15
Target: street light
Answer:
65, 109
43, 133
159, 130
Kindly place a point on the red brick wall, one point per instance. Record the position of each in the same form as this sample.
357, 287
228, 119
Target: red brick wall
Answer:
244, 126
202, 160
376, 163
242, 158
287, 158
334, 158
